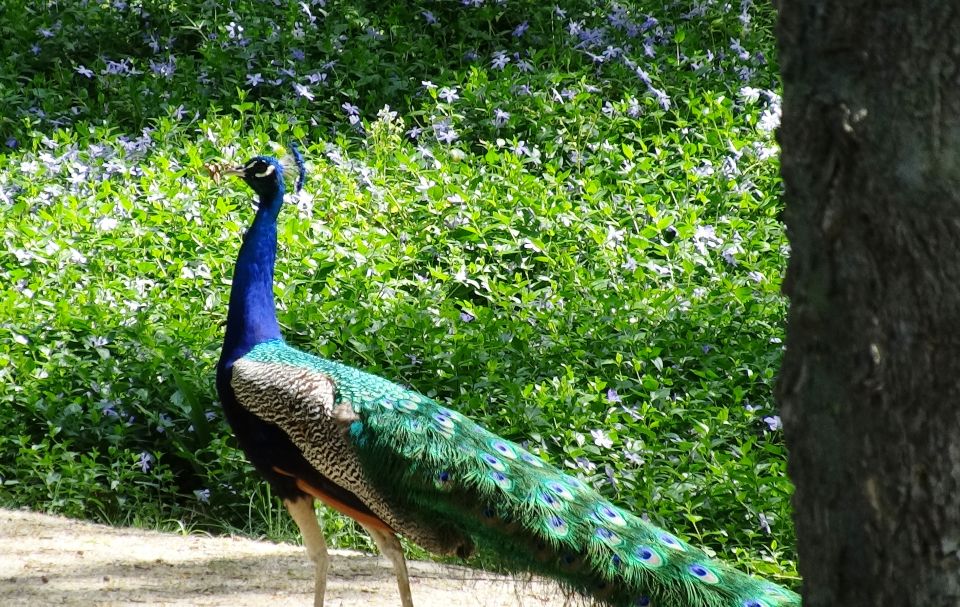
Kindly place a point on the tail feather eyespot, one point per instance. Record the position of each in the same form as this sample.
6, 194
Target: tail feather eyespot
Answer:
648, 557
703, 573
556, 526
670, 541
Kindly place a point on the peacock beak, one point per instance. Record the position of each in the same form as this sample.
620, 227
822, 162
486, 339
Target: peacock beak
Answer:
218, 170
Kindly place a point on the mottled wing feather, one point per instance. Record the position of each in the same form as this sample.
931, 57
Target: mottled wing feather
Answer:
306, 404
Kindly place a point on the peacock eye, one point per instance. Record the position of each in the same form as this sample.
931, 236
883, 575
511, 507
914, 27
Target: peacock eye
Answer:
258, 169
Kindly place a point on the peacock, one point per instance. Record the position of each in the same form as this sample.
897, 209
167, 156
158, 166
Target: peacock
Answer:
400, 463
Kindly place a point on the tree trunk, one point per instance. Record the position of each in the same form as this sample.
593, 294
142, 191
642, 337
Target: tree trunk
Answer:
870, 385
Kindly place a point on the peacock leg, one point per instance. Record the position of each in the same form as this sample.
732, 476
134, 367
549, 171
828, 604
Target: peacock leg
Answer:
306, 518
390, 547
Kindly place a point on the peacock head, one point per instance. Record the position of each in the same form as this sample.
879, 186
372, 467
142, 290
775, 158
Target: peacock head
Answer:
266, 175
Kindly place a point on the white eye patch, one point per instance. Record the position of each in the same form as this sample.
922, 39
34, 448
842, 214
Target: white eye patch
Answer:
269, 171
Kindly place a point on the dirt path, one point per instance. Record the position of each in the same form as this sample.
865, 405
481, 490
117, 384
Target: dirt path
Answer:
48, 560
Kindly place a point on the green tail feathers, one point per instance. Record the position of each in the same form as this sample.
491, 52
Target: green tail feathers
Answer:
436, 463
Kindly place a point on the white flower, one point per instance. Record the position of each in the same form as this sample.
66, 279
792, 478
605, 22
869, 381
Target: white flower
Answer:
106, 224
601, 439
769, 120
706, 237
386, 114
750, 94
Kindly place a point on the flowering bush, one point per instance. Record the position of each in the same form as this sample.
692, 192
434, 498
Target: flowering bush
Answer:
562, 220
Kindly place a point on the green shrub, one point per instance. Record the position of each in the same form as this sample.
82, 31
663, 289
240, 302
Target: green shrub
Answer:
564, 224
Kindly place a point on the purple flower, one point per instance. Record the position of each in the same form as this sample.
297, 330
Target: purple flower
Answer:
254, 79
500, 60
729, 255
297, 54
521, 149
500, 117
611, 477
146, 461
448, 136
737, 48
524, 66
203, 495
444, 132
118, 68
611, 52
764, 523
467, 316
350, 109
773, 422
590, 37
429, 17
585, 464
106, 408
618, 18
448, 94
414, 132
662, 98
521, 29
83, 71
12, 143
165, 69
302, 91
612, 396
648, 49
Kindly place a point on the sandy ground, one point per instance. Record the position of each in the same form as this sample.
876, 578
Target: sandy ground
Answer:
49, 560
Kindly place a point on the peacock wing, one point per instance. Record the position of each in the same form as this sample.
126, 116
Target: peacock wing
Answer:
303, 396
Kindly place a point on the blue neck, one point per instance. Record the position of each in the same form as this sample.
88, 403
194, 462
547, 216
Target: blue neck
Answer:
252, 316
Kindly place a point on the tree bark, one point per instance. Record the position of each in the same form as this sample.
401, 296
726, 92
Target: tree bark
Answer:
870, 385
